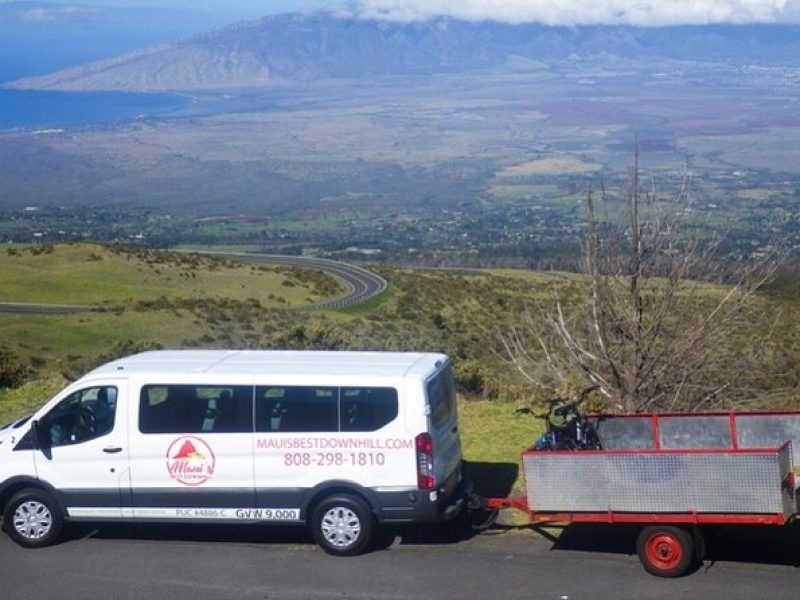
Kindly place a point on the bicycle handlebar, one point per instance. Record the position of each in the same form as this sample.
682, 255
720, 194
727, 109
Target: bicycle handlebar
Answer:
565, 409
559, 407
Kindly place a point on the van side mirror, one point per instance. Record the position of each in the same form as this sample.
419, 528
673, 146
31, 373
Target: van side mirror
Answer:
41, 437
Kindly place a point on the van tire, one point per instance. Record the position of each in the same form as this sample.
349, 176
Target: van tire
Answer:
342, 525
33, 519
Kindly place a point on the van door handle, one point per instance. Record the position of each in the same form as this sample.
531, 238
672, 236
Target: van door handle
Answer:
112, 450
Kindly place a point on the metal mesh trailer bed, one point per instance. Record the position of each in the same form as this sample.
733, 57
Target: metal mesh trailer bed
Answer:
670, 473
716, 485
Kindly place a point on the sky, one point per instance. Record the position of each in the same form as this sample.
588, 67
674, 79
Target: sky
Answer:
244, 7
551, 12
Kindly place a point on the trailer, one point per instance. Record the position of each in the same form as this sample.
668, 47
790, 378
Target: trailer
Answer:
672, 474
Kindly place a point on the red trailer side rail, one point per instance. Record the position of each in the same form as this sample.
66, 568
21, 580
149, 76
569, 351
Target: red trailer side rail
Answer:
694, 518
671, 474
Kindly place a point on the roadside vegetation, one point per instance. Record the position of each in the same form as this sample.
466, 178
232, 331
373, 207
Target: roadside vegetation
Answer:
665, 303
113, 276
466, 314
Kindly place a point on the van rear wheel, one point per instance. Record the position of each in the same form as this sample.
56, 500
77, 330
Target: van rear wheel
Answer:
33, 519
342, 525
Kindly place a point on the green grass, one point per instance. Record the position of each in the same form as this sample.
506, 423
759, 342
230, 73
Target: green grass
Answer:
493, 439
492, 433
369, 306
319, 223
53, 338
515, 192
15, 403
83, 274
147, 298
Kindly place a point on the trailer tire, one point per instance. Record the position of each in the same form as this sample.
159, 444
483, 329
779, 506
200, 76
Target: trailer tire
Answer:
665, 550
699, 545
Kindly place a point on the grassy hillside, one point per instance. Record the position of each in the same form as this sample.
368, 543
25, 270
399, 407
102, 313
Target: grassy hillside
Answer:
110, 276
147, 299
150, 298
142, 299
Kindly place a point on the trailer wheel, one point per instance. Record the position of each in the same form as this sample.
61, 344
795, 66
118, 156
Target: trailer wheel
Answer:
666, 551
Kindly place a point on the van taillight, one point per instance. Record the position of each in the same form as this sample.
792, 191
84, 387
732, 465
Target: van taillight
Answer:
424, 444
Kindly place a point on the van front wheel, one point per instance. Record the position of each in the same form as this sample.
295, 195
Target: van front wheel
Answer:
342, 525
33, 519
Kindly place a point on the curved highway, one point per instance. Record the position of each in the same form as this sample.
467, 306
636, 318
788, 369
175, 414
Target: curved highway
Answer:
362, 285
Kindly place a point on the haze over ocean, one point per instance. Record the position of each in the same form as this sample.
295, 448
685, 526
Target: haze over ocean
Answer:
22, 109
45, 38
40, 39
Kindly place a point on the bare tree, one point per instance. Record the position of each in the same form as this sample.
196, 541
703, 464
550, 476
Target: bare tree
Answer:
655, 330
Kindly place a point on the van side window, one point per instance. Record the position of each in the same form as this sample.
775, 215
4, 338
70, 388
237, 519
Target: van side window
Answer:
324, 409
82, 416
366, 408
442, 397
296, 408
196, 409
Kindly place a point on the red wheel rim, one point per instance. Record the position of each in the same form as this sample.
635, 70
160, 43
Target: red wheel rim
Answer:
663, 551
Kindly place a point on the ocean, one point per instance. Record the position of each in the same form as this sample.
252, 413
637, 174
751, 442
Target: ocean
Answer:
21, 109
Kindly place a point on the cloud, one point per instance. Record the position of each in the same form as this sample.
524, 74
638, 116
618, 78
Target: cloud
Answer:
792, 11
582, 12
53, 14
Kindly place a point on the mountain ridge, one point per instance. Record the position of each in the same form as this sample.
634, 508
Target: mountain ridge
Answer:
37, 38
297, 47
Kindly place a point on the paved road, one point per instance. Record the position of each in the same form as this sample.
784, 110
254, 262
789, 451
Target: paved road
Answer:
273, 563
29, 308
362, 285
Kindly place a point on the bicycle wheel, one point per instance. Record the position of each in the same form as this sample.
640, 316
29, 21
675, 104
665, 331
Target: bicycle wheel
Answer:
592, 440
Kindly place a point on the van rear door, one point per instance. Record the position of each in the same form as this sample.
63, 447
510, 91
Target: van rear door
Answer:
443, 427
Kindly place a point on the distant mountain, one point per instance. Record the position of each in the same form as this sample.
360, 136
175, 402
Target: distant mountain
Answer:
296, 47
42, 37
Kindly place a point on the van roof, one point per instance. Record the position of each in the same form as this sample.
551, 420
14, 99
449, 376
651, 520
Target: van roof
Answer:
284, 362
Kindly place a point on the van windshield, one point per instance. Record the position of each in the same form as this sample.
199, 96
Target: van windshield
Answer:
442, 397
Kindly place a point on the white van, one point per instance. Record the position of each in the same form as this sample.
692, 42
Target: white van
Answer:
340, 441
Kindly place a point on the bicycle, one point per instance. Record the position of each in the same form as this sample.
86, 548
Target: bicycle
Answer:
573, 432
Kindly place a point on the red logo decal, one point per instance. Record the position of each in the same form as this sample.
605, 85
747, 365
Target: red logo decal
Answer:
190, 461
